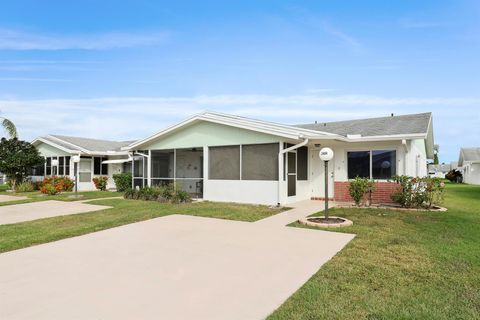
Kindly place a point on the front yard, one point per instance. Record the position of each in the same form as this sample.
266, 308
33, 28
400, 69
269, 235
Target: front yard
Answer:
401, 265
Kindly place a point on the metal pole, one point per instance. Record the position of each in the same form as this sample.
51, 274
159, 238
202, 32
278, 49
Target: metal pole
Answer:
326, 190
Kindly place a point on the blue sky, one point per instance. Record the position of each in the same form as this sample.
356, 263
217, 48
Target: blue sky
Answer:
125, 69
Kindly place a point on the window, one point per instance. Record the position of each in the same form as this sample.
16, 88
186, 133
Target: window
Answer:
224, 163
260, 161
61, 166
48, 166
67, 166
358, 164
100, 168
375, 164
383, 164
302, 163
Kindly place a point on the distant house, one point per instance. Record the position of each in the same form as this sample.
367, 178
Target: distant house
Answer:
469, 162
439, 170
222, 157
97, 158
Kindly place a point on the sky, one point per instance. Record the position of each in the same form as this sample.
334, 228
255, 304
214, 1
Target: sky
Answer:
126, 69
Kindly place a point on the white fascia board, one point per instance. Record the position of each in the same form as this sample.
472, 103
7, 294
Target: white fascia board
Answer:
53, 144
69, 143
388, 137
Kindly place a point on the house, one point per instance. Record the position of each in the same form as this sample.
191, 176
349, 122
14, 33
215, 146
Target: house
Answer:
97, 158
439, 170
469, 162
222, 157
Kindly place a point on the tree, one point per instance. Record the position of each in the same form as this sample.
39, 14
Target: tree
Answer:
9, 127
436, 148
17, 157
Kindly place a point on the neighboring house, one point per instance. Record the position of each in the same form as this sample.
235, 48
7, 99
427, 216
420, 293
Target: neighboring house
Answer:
223, 157
439, 170
469, 162
97, 158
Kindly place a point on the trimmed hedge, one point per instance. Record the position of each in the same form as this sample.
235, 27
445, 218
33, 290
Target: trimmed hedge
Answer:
123, 181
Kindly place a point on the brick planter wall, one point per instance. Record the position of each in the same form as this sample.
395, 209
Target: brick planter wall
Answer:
381, 195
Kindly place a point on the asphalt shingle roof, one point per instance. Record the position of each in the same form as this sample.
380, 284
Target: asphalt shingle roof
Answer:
393, 125
88, 143
469, 154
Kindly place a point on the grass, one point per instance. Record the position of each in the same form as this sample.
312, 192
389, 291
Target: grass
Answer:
401, 265
21, 235
64, 196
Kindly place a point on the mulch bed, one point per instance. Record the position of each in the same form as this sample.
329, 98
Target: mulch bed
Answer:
327, 221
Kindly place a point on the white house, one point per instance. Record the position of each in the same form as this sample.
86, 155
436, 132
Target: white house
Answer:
469, 162
223, 157
439, 170
97, 158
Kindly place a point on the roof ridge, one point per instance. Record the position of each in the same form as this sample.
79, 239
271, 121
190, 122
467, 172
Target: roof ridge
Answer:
374, 118
59, 136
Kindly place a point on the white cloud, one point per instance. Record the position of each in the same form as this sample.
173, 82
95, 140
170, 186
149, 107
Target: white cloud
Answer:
126, 118
19, 40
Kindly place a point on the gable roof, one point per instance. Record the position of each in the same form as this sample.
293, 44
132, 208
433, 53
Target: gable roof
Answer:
469, 155
276, 129
384, 126
83, 145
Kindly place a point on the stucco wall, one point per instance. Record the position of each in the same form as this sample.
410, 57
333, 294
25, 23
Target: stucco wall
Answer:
472, 174
49, 151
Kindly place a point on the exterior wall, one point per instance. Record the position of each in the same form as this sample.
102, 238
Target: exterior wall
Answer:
261, 192
209, 134
417, 159
49, 151
471, 173
381, 195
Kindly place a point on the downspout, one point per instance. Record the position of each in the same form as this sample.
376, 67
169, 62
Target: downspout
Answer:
281, 168
405, 148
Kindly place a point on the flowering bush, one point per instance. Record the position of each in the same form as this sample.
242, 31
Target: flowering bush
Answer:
100, 183
49, 189
418, 192
60, 184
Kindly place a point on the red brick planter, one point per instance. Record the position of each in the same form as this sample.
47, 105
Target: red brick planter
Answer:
381, 195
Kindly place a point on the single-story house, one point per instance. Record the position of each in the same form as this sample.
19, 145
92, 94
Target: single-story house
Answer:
97, 158
439, 170
222, 157
469, 162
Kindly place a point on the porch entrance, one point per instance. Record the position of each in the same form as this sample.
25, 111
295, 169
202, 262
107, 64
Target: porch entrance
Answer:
292, 174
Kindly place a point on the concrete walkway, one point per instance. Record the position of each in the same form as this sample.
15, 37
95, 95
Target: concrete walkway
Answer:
7, 198
299, 210
43, 209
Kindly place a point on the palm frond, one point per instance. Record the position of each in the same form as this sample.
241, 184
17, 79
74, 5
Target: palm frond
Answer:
9, 127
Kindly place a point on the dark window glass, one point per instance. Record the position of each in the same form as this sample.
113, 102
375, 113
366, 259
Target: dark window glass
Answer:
61, 165
127, 167
302, 163
383, 164
138, 166
224, 163
104, 167
292, 163
358, 164
67, 166
97, 166
49, 166
260, 161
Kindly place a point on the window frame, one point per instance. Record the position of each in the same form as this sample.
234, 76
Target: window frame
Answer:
370, 151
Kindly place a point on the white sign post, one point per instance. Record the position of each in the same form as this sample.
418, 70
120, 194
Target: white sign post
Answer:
326, 154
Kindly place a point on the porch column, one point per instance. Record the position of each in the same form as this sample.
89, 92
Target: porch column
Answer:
280, 174
149, 168
205, 171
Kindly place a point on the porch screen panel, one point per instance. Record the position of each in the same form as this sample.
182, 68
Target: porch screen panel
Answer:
162, 163
61, 166
302, 163
67, 166
384, 164
260, 161
224, 163
85, 170
358, 164
48, 166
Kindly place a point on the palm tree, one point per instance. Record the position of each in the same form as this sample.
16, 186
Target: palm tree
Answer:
9, 127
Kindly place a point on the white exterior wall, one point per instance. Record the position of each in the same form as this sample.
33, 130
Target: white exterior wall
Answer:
241, 191
471, 173
417, 159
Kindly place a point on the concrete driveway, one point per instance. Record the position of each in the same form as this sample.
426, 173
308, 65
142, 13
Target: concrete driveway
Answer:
43, 209
174, 267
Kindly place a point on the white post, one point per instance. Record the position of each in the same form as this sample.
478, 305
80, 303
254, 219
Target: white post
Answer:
149, 168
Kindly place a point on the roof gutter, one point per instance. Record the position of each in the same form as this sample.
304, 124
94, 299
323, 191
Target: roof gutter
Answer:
280, 162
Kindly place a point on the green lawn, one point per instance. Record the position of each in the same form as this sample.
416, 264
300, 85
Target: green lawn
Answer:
401, 265
64, 196
21, 235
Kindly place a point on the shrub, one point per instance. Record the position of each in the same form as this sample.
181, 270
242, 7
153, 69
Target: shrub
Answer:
26, 186
63, 183
123, 181
454, 176
166, 193
418, 192
49, 189
359, 187
100, 183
